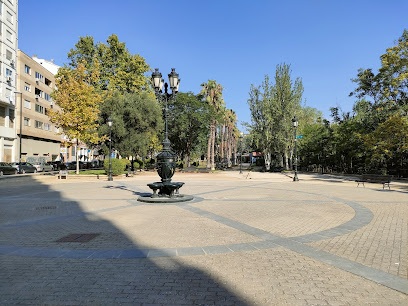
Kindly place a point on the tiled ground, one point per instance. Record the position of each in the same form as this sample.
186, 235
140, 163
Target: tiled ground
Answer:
251, 239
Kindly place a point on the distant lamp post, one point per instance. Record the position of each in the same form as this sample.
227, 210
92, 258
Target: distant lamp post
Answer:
21, 128
241, 136
295, 124
110, 121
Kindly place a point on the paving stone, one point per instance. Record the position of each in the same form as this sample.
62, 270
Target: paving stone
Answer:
264, 241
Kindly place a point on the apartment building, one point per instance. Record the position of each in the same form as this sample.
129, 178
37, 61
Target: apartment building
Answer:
8, 54
39, 137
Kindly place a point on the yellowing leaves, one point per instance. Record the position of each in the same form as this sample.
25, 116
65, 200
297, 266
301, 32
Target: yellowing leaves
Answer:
79, 104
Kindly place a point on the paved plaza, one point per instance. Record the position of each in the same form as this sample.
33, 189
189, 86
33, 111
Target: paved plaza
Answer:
245, 239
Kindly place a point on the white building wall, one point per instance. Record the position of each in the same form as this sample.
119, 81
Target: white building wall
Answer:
8, 78
49, 65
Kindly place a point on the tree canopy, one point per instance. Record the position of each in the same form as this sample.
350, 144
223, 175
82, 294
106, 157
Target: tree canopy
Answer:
212, 93
188, 125
119, 69
272, 106
79, 104
137, 119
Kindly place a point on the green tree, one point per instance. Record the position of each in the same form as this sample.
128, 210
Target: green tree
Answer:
229, 136
388, 88
188, 125
78, 104
272, 107
137, 120
119, 69
383, 98
212, 93
389, 142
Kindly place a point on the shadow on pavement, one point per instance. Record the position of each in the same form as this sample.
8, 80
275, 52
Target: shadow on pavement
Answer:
35, 215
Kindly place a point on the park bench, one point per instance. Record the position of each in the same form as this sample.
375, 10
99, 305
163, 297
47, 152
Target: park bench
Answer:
374, 178
63, 174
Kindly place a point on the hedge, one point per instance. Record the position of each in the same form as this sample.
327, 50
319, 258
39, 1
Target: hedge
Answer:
117, 166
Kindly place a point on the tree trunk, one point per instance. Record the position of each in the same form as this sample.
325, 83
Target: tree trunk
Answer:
76, 157
213, 147
268, 158
280, 160
209, 148
222, 142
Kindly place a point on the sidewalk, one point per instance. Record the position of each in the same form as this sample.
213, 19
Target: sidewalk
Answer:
246, 239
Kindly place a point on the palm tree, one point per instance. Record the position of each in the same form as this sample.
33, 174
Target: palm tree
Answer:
212, 92
231, 134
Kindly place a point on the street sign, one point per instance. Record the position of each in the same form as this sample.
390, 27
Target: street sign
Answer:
299, 136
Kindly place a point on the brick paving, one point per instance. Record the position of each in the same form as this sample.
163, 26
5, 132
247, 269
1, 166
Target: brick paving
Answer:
250, 239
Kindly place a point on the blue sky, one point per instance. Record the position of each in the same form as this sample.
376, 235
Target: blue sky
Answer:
233, 42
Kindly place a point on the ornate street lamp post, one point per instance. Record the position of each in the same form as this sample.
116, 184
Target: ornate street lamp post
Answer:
110, 121
241, 136
295, 124
166, 160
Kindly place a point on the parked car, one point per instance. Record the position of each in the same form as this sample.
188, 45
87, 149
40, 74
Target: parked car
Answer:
25, 167
71, 165
42, 167
58, 165
6, 168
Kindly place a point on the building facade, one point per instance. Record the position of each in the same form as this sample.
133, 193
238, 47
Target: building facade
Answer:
39, 137
8, 79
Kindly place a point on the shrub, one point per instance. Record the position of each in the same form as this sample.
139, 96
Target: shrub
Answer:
180, 164
117, 166
125, 163
136, 165
260, 162
140, 164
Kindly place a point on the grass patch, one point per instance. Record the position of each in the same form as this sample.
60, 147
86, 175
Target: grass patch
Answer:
91, 172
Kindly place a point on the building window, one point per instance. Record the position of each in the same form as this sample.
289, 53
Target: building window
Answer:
9, 94
38, 92
47, 97
27, 87
11, 118
39, 109
27, 69
47, 82
56, 129
9, 17
27, 104
9, 73
39, 77
9, 55
47, 127
2, 116
26, 121
9, 36
38, 124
